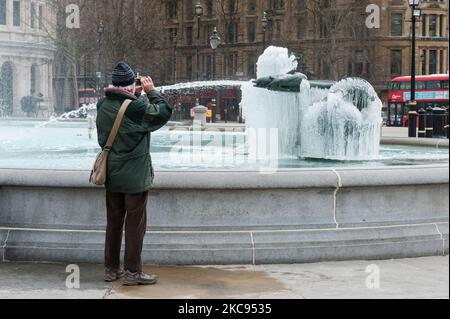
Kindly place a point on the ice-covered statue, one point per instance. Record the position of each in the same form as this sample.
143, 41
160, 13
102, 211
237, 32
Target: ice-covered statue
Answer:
315, 119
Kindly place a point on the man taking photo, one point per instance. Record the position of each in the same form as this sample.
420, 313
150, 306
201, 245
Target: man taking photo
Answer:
130, 173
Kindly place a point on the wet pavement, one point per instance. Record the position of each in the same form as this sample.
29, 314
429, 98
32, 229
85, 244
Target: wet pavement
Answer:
405, 278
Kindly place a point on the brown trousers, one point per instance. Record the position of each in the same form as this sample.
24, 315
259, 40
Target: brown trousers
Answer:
129, 211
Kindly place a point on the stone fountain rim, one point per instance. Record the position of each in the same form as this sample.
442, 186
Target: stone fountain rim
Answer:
245, 180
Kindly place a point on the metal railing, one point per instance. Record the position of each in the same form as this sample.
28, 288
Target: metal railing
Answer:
433, 122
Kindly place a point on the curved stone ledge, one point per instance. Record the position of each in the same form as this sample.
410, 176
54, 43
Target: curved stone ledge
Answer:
426, 142
235, 217
263, 247
281, 179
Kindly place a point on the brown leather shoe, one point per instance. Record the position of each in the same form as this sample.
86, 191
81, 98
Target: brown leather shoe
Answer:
112, 275
136, 279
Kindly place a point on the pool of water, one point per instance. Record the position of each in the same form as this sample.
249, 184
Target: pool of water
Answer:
71, 145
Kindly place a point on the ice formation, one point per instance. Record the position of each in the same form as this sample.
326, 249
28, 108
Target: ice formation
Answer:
341, 123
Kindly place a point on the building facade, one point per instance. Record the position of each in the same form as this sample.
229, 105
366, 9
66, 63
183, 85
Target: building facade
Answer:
330, 38
26, 55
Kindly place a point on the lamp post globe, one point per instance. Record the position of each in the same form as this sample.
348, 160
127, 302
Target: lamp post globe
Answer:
199, 9
215, 40
265, 21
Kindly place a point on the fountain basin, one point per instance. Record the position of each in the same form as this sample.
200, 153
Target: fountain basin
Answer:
66, 145
240, 217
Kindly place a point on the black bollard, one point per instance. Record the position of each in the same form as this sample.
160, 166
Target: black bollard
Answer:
422, 119
429, 123
447, 123
412, 128
439, 122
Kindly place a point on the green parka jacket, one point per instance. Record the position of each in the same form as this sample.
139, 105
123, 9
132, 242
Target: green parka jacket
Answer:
130, 169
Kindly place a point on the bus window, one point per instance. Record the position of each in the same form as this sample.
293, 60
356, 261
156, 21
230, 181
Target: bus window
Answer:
392, 110
405, 86
444, 84
395, 86
421, 85
405, 109
433, 85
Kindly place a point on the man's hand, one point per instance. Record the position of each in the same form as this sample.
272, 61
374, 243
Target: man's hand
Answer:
138, 92
147, 84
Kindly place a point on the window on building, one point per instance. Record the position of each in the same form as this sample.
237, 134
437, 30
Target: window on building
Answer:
33, 15
441, 25
208, 31
441, 61
231, 6
251, 6
423, 59
251, 66
324, 26
397, 24
189, 67
33, 79
326, 70
396, 62
206, 67
41, 17
171, 36
301, 28
190, 9
424, 25
209, 67
359, 62
2, 12
189, 36
433, 62
432, 25
301, 4
16, 13
251, 32
231, 64
209, 8
172, 9
277, 4
269, 31
232, 33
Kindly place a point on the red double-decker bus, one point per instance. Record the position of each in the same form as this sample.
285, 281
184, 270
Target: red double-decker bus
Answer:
431, 90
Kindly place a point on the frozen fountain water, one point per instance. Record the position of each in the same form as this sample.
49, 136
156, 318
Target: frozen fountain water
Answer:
83, 112
345, 125
341, 123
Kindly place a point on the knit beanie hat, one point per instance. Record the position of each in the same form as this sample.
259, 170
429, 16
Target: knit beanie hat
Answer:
123, 75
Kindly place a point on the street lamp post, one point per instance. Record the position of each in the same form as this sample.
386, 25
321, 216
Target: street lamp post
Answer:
100, 31
214, 40
175, 42
415, 13
199, 14
301, 63
264, 23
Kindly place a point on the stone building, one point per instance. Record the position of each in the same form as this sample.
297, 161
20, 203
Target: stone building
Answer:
26, 55
330, 38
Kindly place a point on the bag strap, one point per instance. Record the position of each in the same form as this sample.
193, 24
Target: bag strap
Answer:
117, 123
